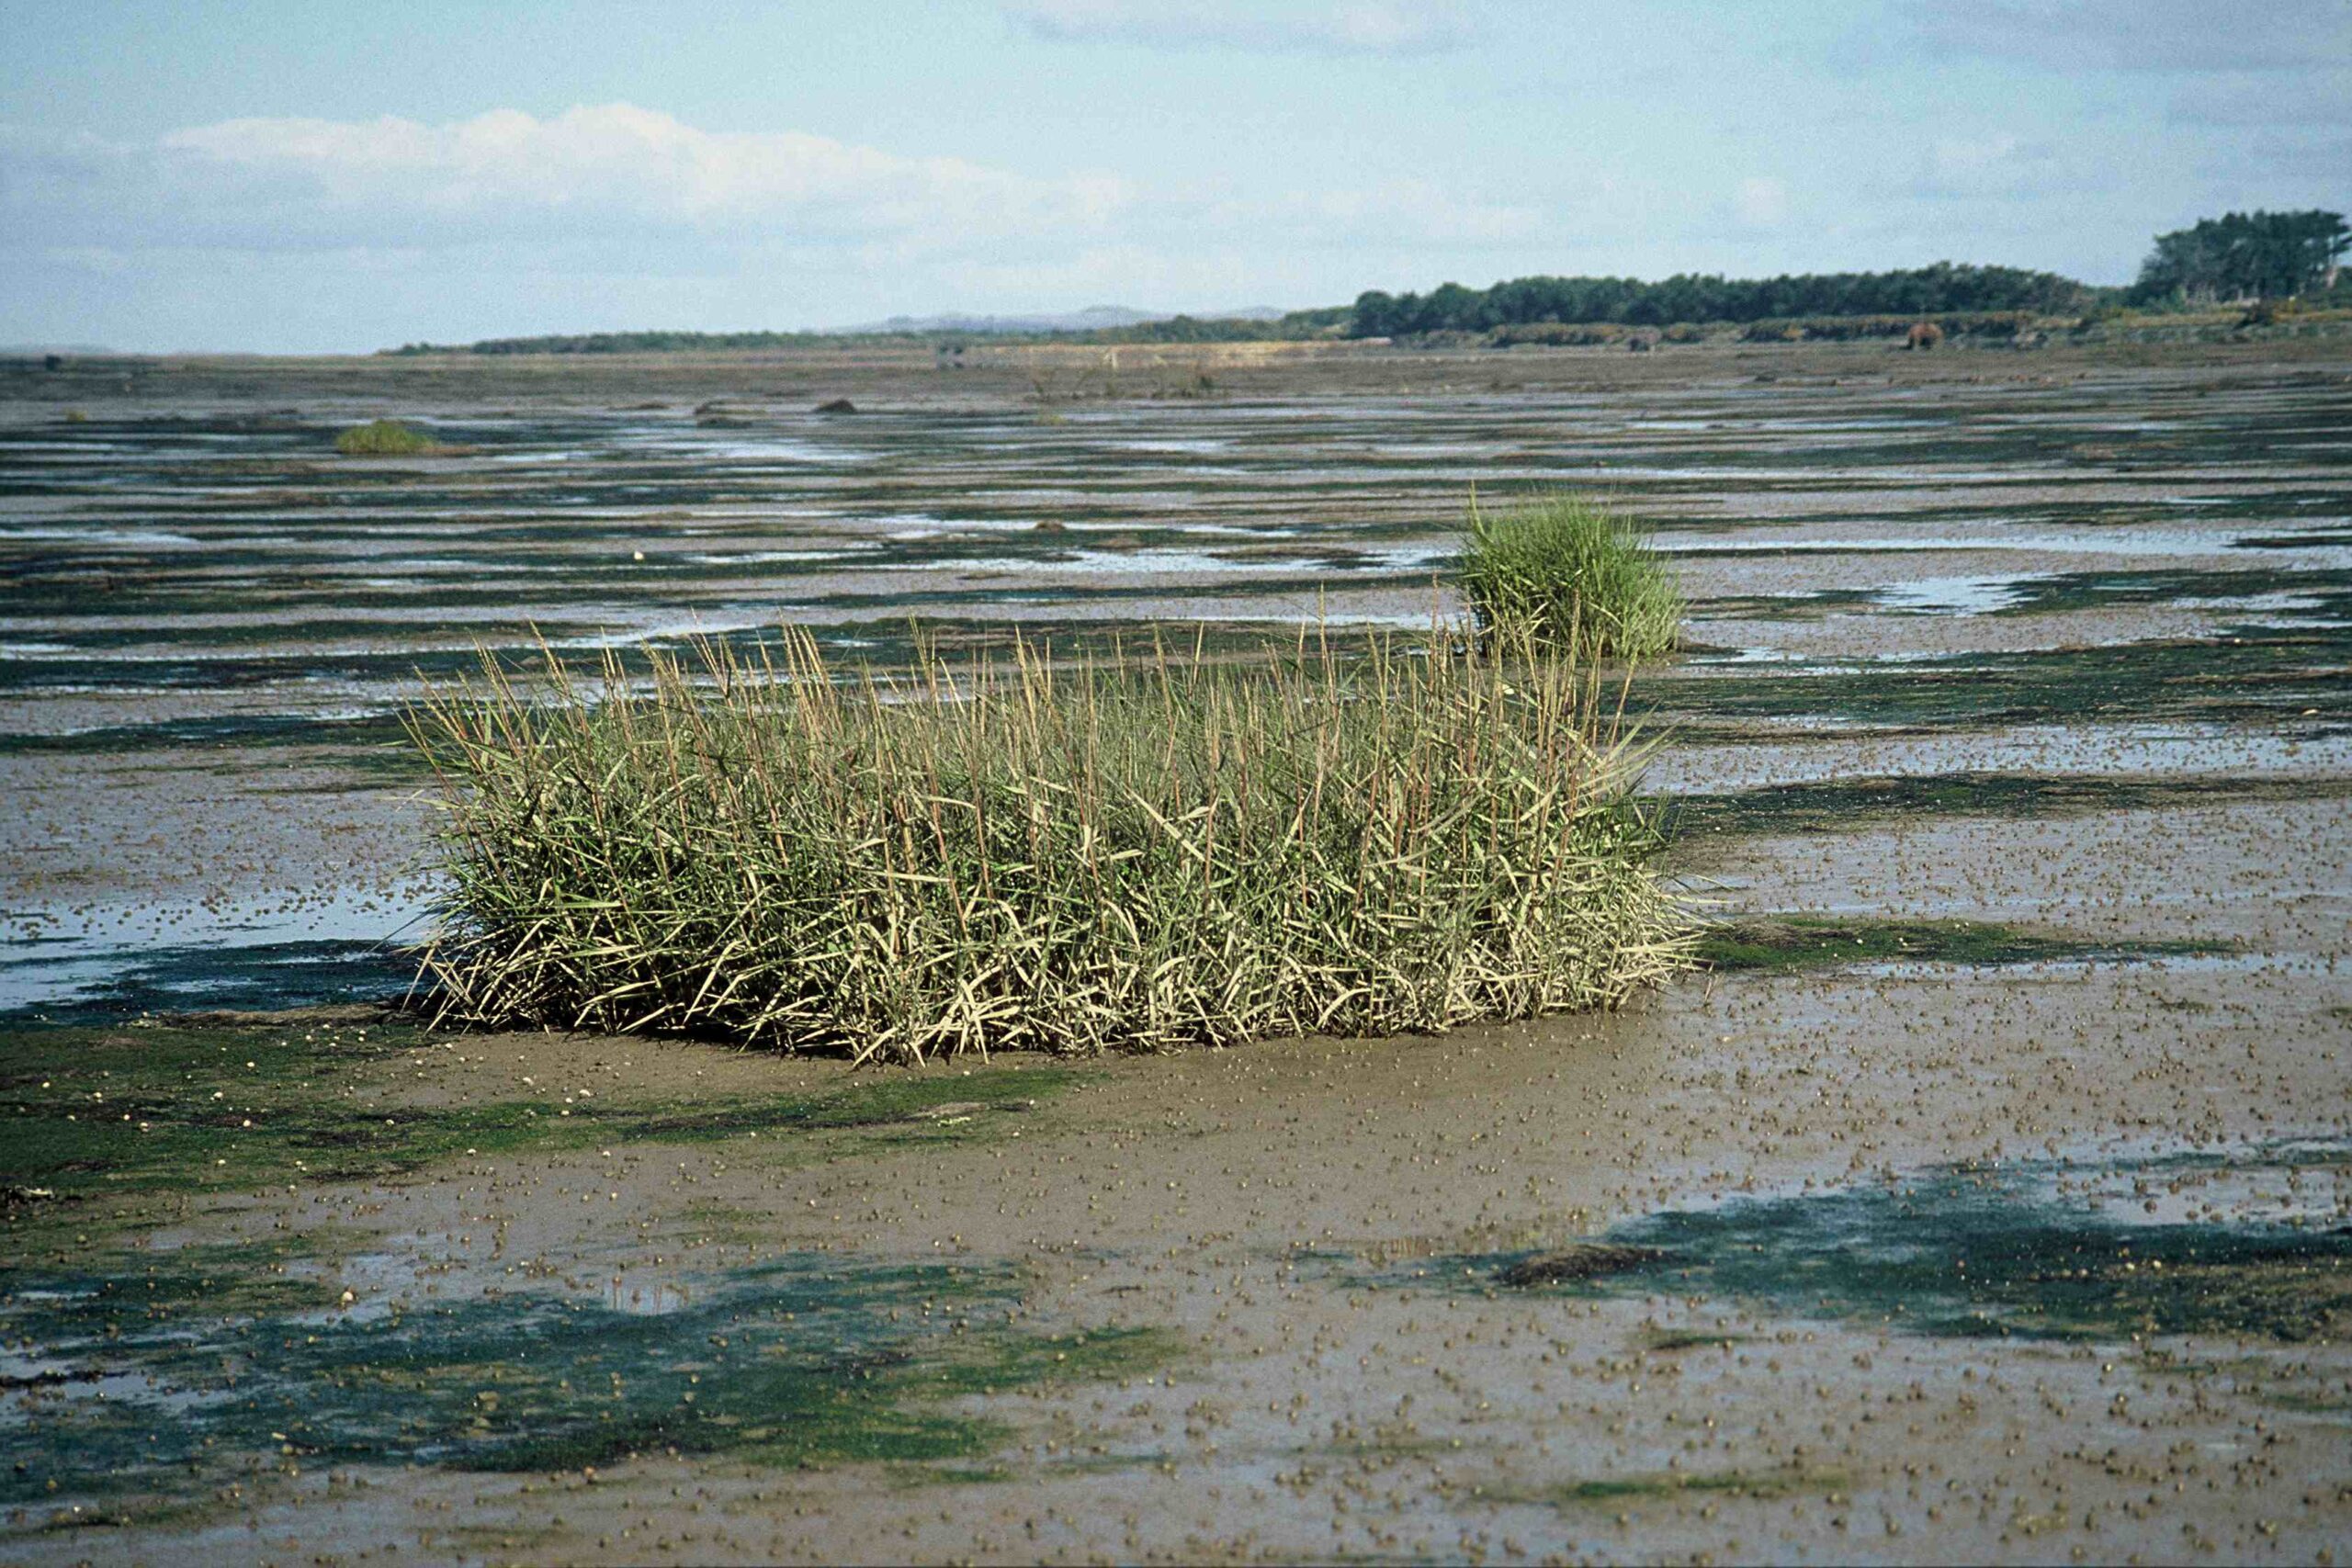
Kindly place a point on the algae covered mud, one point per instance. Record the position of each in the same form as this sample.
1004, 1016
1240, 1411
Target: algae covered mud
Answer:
1986, 1198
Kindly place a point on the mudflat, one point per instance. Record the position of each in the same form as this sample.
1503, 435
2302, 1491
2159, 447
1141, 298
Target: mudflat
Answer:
1988, 1197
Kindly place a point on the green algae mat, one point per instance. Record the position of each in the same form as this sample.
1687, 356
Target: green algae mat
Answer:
2034, 1250
143, 1375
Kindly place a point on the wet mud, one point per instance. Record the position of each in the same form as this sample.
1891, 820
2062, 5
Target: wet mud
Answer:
1985, 1198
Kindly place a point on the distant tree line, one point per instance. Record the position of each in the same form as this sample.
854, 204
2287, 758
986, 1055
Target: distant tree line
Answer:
1943, 288
2239, 256
2244, 256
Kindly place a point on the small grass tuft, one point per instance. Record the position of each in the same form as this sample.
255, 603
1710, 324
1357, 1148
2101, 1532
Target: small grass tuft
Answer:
1138, 854
1565, 573
385, 438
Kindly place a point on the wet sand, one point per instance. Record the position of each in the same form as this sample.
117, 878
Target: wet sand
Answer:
1893, 1260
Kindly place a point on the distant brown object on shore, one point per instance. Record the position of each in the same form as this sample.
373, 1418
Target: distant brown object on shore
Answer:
1924, 335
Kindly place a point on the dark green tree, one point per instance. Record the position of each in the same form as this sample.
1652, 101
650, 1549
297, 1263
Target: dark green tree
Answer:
1943, 289
2244, 255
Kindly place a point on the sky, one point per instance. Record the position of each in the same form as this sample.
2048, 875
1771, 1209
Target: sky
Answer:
283, 176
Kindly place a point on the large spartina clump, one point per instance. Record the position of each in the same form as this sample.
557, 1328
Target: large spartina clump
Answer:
1566, 573
1131, 854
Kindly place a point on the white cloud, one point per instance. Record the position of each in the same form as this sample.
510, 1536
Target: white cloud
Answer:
340, 234
617, 164
1761, 202
1355, 27
1396, 212
1101, 274
1955, 157
1998, 165
620, 177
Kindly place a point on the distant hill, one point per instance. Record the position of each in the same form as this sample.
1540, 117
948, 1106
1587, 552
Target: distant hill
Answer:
1094, 318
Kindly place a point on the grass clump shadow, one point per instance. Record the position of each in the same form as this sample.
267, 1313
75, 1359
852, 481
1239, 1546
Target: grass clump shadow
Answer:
1565, 573
386, 438
1132, 852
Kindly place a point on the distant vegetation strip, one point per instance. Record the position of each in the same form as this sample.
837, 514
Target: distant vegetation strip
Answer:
2244, 258
1699, 298
1298, 325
